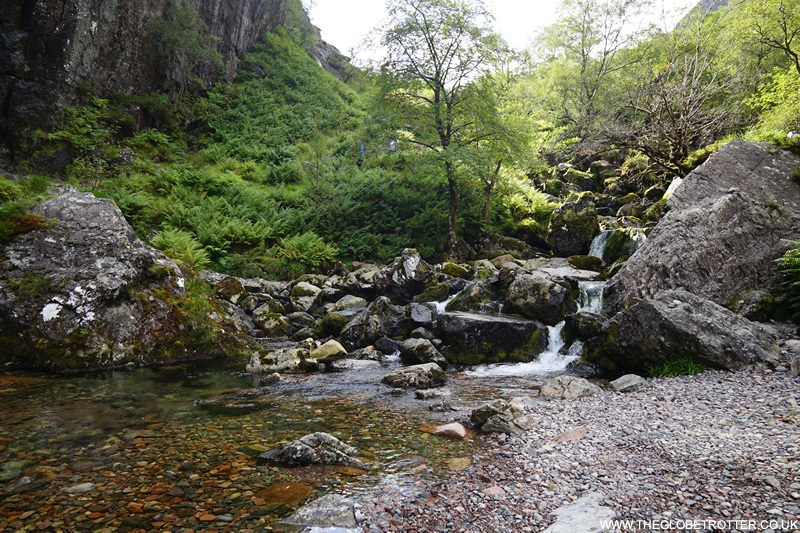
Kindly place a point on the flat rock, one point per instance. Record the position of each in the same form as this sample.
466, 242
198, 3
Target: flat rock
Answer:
569, 388
628, 383
423, 376
329, 511
80, 489
584, 515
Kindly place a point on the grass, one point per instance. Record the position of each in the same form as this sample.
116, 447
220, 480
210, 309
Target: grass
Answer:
681, 366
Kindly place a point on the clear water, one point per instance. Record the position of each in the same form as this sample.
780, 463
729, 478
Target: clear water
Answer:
590, 298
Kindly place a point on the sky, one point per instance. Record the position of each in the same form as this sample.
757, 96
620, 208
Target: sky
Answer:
345, 23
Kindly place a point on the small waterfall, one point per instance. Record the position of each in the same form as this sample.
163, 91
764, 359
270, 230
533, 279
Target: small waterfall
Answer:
590, 299
441, 307
550, 361
638, 238
598, 246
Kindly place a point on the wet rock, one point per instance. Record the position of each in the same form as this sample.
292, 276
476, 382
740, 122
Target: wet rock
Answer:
285, 360
725, 226
678, 324
628, 383
315, 448
569, 388
453, 431
422, 314
80, 488
538, 297
331, 512
379, 319
416, 351
24, 484
501, 416
584, 514
475, 297
330, 349
423, 376
432, 394
82, 291
404, 278
475, 339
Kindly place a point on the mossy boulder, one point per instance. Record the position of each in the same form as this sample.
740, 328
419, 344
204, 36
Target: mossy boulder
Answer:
537, 296
406, 277
572, 227
475, 297
587, 262
332, 324
454, 270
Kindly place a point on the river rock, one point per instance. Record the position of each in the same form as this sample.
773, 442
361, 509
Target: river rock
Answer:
404, 278
572, 227
285, 360
678, 324
474, 339
502, 416
585, 514
725, 226
538, 297
82, 291
453, 431
332, 348
418, 351
348, 302
569, 388
422, 314
315, 448
628, 383
379, 319
331, 513
475, 297
424, 376
305, 296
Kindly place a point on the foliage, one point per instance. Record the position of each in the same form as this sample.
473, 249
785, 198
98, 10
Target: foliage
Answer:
777, 101
300, 254
181, 247
789, 265
84, 128
682, 366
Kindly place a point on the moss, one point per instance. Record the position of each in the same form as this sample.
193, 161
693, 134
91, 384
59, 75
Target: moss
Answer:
488, 353
29, 286
587, 262
434, 293
331, 325
299, 291
158, 271
454, 270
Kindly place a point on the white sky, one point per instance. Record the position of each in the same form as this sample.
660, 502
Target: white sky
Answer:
345, 23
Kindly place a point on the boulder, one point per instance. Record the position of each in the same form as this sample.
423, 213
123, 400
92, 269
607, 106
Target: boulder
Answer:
379, 319
501, 416
538, 297
474, 339
422, 314
404, 278
423, 376
305, 296
725, 226
453, 431
81, 291
330, 349
678, 324
572, 227
284, 360
628, 383
331, 513
569, 388
417, 351
316, 448
584, 514
348, 302
475, 297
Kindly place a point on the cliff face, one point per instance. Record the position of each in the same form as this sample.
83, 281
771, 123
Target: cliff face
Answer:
51, 49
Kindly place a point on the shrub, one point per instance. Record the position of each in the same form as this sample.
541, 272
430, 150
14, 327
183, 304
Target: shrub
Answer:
301, 254
182, 247
789, 265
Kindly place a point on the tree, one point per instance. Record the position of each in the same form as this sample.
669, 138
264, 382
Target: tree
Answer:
680, 102
583, 51
776, 24
435, 51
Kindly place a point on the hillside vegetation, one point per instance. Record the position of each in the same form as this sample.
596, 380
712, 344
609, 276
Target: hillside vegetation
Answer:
289, 170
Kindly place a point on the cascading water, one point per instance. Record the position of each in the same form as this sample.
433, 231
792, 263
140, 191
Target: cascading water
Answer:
441, 307
550, 361
598, 246
590, 299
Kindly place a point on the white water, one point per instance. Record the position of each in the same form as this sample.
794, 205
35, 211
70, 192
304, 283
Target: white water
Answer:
598, 246
550, 361
441, 307
590, 299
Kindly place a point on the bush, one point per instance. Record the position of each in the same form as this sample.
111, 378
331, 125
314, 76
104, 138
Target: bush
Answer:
301, 254
181, 247
789, 265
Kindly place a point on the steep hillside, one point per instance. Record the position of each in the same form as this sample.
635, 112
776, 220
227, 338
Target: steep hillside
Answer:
53, 50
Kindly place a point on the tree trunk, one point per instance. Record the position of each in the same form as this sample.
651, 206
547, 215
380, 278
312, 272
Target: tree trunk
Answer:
487, 203
452, 233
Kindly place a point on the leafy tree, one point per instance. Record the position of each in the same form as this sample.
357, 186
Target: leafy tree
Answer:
775, 24
436, 50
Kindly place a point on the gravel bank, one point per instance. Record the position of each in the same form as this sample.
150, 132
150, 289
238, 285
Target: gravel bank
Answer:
716, 446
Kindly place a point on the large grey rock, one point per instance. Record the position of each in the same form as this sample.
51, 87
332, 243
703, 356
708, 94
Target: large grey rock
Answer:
585, 515
83, 291
421, 351
502, 416
572, 227
424, 376
475, 298
305, 296
379, 319
404, 278
678, 324
296, 358
538, 297
569, 388
474, 339
316, 448
628, 383
725, 226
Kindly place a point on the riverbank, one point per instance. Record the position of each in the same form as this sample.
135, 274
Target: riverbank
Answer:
718, 445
